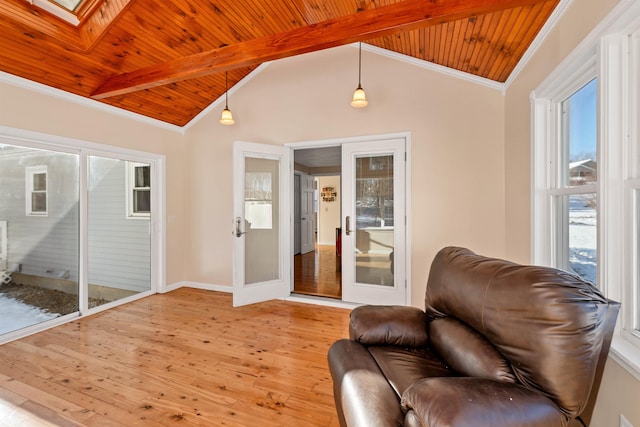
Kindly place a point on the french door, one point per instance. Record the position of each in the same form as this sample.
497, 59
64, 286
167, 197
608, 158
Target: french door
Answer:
261, 231
373, 222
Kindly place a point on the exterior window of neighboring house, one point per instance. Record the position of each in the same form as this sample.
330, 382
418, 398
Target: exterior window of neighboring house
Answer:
586, 171
36, 197
139, 190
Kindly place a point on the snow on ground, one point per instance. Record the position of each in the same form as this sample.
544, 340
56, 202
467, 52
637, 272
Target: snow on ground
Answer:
16, 315
583, 238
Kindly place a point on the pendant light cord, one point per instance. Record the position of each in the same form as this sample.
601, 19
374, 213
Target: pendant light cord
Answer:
360, 64
226, 90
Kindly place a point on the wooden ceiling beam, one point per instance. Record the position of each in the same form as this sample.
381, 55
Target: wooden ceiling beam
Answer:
399, 17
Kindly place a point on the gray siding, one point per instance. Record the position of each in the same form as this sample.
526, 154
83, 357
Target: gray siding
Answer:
119, 247
44, 246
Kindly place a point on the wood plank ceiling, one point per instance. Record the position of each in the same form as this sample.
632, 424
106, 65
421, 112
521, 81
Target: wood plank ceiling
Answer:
166, 59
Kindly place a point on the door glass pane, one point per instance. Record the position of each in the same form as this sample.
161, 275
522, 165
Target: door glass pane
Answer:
261, 200
119, 246
39, 255
374, 225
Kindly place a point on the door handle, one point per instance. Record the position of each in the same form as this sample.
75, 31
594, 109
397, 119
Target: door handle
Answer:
347, 227
239, 233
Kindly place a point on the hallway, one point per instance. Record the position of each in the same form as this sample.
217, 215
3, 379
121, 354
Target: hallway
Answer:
317, 273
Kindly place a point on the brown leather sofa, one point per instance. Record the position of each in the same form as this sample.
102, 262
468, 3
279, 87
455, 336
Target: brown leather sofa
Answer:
499, 344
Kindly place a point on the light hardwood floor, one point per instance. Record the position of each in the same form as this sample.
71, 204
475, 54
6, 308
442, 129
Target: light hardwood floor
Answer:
182, 358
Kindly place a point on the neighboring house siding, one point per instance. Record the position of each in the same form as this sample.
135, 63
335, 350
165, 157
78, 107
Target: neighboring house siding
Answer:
48, 246
44, 246
119, 247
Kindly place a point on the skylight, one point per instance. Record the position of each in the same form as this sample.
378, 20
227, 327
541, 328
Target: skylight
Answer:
63, 9
70, 5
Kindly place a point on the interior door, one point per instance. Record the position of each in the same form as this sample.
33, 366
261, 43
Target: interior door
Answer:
307, 232
373, 222
260, 224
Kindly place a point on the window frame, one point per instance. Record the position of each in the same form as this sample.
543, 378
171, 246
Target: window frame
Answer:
611, 53
131, 189
30, 172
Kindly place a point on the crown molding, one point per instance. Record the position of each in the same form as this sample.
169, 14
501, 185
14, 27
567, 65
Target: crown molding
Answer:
23, 83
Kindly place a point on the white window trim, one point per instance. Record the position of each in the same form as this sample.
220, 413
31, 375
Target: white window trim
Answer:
130, 183
606, 50
29, 172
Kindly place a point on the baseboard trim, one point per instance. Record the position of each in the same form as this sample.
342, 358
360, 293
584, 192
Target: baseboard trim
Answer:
196, 285
305, 299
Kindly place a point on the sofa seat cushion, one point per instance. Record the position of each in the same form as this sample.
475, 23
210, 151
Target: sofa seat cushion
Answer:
404, 366
480, 402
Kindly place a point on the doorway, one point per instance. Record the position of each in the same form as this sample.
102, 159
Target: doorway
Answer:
373, 233
317, 212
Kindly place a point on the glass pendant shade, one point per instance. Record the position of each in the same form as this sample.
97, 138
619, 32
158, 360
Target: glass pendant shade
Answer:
227, 117
359, 98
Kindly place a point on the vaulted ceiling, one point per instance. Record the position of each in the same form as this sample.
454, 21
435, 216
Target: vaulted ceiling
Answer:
167, 59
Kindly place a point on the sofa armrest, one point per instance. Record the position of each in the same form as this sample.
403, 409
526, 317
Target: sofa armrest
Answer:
388, 325
362, 394
480, 402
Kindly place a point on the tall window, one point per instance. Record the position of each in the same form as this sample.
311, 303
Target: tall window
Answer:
36, 190
586, 145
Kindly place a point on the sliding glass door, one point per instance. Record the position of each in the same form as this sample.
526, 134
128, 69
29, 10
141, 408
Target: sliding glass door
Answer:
76, 232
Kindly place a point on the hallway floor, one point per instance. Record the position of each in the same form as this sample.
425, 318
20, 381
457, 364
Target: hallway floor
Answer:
318, 273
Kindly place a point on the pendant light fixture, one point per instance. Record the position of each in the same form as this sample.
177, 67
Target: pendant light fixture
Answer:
227, 117
359, 98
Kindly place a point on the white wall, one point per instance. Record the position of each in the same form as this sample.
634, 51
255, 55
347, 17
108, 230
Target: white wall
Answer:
329, 211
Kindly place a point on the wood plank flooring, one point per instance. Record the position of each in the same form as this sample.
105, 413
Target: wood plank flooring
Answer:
318, 273
182, 358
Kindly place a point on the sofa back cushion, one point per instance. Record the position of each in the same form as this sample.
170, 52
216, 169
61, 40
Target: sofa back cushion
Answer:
467, 352
548, 324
